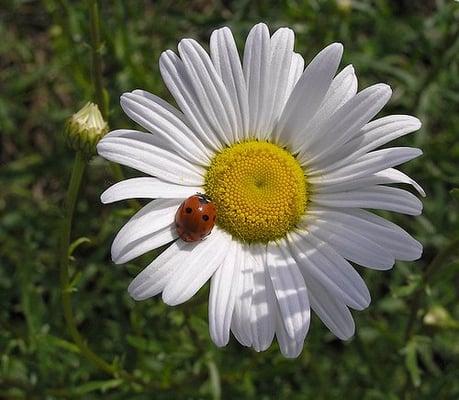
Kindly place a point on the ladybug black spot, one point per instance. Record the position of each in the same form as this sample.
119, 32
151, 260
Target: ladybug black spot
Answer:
205, 217
188, 210
177, 225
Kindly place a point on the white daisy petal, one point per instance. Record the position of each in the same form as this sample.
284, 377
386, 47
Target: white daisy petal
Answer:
382, 197
387, 234
281, 59
324, 264
366, 165
145, 244
289, 288
389, 175
262, 318
179, 84
202, 260
146, 153
225, 57
240, 324
327, 302
342, 89
149, 228
331, 310
147, 188
257, 54
307, 96
153, 116
344, 124
295, 72
392, 175
153, 279
383, 130
347, 241
373, 135
210, 90
162, 103
290, 348
224, 287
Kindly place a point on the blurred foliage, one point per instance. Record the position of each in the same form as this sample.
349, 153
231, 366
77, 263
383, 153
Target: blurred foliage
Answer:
406, 345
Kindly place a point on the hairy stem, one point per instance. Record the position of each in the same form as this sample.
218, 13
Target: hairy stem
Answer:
66, 291
78, 169
69, 209
96, 48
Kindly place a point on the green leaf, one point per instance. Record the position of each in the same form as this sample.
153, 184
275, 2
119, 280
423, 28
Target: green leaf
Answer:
61, 343
143, 344
411, 362
214, 376
72, 286
426, 354
77, 243
408, 289
92, 386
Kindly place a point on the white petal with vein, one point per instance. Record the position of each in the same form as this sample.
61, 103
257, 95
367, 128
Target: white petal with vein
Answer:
146, 153
153, 116
324, 264
307, 96
382, 197
179, 84
209, 90
344, 124
224, 287
153, 279
240, 324
226, 59
200, 260
147, 188
149, 228
262, 317
289, 288
256, 63
389, 175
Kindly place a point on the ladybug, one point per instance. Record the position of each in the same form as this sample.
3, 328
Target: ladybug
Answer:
195, 218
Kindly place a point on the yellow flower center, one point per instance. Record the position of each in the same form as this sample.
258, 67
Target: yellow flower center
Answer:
259, 190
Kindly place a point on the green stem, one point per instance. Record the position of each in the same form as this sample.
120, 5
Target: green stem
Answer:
72, 195
66, 291
79, 167
99, 98
96, 48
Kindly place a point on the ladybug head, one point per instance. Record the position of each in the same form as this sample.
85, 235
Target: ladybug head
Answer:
203, 199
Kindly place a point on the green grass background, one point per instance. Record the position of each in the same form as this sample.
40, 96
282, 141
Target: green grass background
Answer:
45, 77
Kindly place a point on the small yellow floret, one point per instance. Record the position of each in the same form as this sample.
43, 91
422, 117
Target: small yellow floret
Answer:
259, 189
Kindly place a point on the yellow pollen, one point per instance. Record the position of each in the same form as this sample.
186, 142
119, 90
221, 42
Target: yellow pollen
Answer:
259, 190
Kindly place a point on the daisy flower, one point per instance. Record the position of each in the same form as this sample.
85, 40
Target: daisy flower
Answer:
288, 156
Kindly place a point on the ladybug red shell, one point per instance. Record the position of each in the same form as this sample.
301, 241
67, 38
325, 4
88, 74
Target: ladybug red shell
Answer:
195, 218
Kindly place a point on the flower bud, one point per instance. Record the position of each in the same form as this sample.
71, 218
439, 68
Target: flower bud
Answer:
344, 6
440, 317
85, 128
